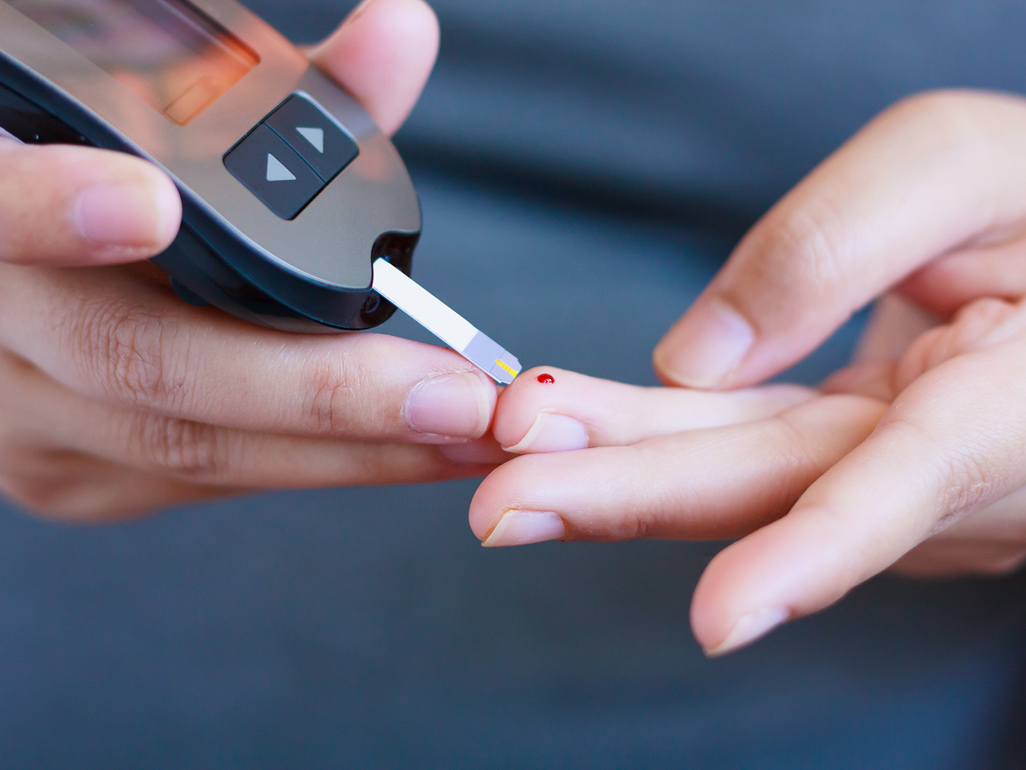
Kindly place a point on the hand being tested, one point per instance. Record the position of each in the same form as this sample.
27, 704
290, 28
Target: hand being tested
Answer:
116, 397
911, 457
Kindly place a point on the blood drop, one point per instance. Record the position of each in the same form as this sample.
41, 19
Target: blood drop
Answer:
546, 379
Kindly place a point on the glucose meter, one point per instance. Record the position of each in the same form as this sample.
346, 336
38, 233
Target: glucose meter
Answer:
299, 213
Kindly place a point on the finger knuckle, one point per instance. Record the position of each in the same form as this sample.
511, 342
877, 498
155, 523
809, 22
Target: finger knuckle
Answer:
186, 449
982, 315
968, 482
801, 247
646, 508
644, 514
979, 324
799, 461
135, 355
334, 389
959, 467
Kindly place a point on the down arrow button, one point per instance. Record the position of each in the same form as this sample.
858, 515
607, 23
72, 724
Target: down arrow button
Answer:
273, 172
276, 171
308, 130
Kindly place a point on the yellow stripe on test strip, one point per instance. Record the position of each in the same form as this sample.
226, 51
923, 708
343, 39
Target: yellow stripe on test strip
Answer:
513, 372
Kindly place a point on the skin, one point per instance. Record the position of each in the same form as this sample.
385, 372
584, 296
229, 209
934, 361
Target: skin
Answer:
909, 459
116, 398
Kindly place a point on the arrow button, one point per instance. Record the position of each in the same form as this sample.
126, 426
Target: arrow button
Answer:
272, 171
276, 171
314, 136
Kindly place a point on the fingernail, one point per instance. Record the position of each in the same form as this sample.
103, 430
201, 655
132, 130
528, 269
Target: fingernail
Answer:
552, 433
127, 215
357, 12
706, 346
451, 405
749, 628
525, 528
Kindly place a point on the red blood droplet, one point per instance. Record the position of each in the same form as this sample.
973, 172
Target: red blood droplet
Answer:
546, 379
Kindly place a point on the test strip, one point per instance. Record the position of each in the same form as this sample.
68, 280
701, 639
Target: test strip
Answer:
444, 322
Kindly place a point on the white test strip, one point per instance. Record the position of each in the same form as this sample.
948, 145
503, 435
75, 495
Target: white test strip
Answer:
444, 322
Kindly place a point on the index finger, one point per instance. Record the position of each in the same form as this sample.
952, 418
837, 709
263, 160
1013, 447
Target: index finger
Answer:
121, 335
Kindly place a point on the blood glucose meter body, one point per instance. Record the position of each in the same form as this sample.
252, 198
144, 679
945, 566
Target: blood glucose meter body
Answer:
290, 191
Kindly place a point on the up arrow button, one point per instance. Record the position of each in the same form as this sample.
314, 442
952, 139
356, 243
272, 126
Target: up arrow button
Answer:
276, 171
314, 136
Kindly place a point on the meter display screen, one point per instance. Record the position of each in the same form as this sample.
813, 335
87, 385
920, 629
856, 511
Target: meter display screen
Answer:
166, 52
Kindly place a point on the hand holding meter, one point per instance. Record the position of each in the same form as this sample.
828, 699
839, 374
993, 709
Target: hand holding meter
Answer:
298, 213
117, 398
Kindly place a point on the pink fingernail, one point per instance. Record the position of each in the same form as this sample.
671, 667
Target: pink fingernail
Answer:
451, 405
749, 628
525, 528
359, 10
706, 345
552, 433
125, 215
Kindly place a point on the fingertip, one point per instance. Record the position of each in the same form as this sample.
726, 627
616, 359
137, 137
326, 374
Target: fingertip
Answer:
530, 407
714, 608
786, 570
129, 211
383, 53
167, 203
389, 22
722, 626
527, 484
528, 380
518, 528
486, 507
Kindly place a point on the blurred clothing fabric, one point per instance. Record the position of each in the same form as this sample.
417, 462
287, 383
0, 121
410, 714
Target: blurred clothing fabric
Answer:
584, 167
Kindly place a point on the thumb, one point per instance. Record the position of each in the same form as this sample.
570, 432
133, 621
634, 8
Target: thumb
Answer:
926, 177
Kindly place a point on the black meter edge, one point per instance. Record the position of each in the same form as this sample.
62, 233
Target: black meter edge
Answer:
207, 260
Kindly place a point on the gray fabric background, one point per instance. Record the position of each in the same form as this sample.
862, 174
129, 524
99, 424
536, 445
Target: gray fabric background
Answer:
584, 167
